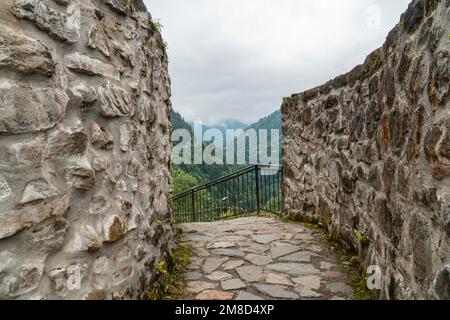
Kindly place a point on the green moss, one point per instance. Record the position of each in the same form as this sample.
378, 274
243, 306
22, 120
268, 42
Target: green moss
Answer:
158, 222
358, 283
171, 278
168, 193
376, 65
368, 73
309, 221
362, 238
355, 278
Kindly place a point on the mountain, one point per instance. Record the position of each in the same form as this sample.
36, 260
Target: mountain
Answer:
230, 124
272, 121
178, 122
233, 124
189, 175
201, 172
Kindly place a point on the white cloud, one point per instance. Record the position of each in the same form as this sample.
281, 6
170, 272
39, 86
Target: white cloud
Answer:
237, 59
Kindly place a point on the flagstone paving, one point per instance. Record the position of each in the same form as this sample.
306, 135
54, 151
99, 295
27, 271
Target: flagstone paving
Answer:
256, 258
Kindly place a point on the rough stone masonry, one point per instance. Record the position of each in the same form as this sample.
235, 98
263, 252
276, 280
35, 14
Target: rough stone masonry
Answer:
369, 154
84, 149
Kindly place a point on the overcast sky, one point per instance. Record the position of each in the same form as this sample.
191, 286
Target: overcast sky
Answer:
236, 59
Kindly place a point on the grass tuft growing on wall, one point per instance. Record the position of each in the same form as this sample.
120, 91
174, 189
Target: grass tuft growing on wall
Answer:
171, 274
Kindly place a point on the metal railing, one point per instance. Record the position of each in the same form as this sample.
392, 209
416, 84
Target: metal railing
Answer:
253, 189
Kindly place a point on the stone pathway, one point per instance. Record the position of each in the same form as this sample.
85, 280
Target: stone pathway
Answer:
258, 258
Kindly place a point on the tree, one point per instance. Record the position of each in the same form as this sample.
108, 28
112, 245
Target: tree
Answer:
182, 181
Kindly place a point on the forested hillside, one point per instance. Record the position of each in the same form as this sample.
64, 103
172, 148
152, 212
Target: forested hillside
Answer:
190, 175
186, 176
272, 121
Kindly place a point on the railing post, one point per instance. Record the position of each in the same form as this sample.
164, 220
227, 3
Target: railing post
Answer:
194, 216
258, 199
281, 190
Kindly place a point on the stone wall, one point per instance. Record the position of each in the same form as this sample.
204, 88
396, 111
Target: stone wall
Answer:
369, 154
84, 149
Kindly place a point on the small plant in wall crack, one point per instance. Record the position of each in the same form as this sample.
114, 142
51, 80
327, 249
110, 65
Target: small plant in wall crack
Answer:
156, 25
158, 222
161, 267
362, 238
168, 193
171, 273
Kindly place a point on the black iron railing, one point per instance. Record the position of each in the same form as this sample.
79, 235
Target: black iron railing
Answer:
253, 189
